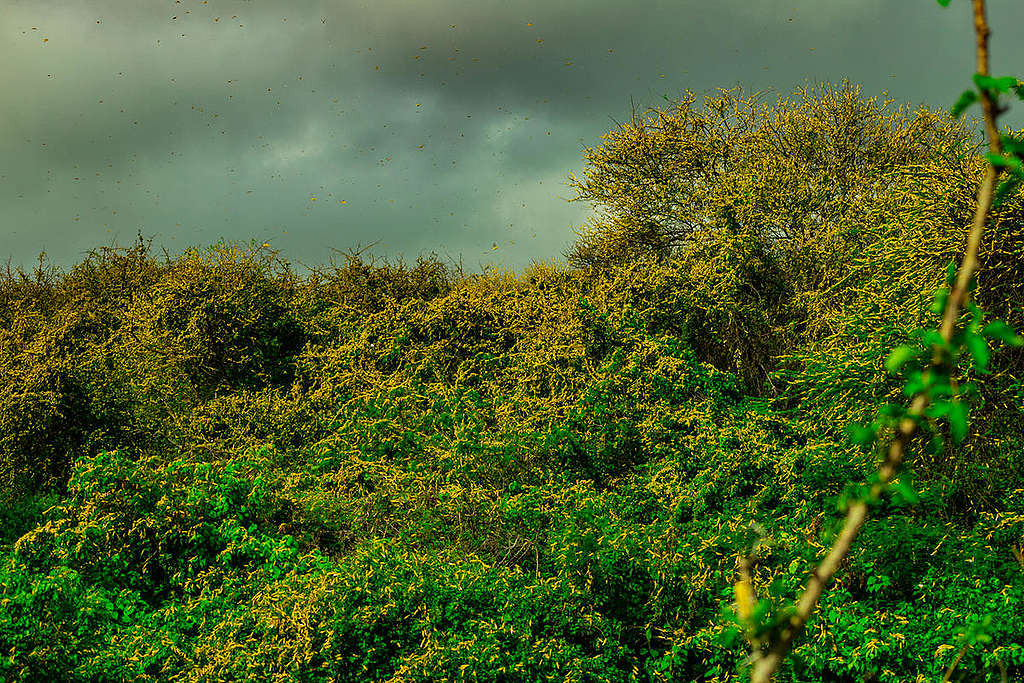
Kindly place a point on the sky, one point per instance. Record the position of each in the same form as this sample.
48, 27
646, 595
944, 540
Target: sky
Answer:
448, 126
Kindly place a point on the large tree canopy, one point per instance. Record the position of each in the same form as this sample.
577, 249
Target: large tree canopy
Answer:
787, 216
798, 175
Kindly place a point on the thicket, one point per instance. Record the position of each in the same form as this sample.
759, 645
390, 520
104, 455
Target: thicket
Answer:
216, 470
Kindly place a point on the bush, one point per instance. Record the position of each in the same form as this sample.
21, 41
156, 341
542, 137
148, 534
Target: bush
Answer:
223, 319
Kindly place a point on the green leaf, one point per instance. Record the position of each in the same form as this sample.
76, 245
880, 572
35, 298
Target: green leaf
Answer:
892, 410
914, 385
1005, 188
941, 296
974, 309
860, 434
944, 3
897, 358
958, 420
1010, 162
1011, 144
951, 273
1000, 331
905, 492
729, 636
1002, 84
983, 82
939, 389
933, 338
967, 98
978, 348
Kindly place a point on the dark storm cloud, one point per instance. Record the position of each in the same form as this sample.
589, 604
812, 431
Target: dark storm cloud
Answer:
444, 126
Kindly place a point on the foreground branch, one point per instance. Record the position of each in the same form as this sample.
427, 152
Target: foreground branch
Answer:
766, 664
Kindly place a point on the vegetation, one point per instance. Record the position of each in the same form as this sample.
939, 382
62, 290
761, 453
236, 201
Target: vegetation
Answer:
213, 469
933, 382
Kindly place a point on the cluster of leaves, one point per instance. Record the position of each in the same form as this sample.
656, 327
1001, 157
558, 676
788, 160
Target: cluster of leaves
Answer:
216, 469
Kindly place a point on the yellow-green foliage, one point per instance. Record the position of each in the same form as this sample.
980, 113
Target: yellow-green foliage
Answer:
792, 191
58, 391
885, 290
221, 319
215, 470
365, 285
798, 173
41, 404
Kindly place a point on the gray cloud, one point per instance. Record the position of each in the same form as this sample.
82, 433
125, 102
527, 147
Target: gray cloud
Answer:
443, 126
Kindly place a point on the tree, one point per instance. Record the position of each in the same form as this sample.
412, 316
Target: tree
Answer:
797, 175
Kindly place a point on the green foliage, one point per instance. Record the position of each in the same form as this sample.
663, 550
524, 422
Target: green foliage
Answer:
214, 470
222, 319
800, 176
938, 391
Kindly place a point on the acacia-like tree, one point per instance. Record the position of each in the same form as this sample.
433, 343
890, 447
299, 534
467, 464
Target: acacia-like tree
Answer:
800, 175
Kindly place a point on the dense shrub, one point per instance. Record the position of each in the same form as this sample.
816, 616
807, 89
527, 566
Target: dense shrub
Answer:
223, 319
211, 469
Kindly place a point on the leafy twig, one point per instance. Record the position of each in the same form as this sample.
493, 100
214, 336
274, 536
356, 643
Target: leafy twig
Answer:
767, 662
